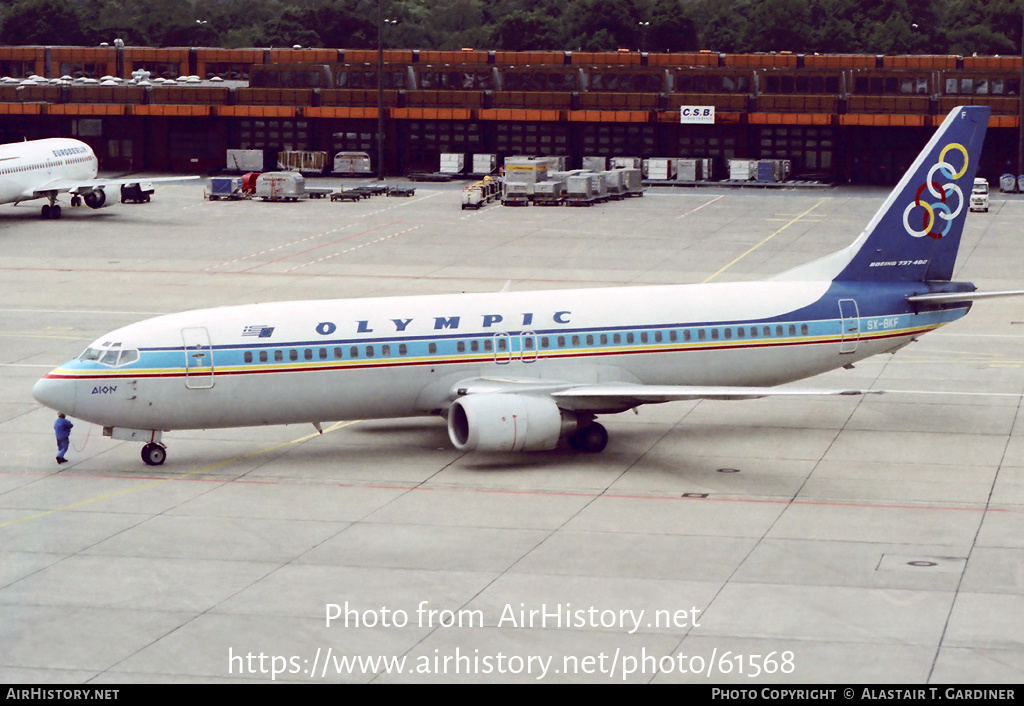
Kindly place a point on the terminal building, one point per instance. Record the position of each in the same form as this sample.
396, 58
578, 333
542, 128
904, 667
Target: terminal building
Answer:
844, 118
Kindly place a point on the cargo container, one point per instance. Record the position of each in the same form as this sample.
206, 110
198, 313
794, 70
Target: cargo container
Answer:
614, 186
742, 169
281, 186
632, 182
660, 168
452, 163
525, 170
595, 164
689, 170
556, 163
577, 190
516, 193
225, 188
598, 182
484, 163
626, 163
550, 192
351, 163
303, 161
244, 160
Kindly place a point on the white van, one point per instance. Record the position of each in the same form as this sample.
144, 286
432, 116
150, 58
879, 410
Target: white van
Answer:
979, 195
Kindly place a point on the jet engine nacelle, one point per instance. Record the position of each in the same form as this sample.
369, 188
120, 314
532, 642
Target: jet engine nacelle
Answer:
506, 422
95, 199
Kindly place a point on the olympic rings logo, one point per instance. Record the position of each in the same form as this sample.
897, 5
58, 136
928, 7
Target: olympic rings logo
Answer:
937, 216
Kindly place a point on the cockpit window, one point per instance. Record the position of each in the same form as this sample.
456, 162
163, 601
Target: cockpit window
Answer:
113, 357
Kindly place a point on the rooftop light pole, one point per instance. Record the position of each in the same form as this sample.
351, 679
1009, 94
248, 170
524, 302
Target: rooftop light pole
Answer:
380, 90
1020, 109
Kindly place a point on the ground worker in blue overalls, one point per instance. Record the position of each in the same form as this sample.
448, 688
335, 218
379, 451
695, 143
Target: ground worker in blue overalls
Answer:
62, 428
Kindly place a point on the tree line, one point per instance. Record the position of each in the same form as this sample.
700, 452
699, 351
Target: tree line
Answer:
964, 27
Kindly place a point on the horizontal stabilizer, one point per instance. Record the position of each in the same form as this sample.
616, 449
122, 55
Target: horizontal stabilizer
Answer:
957, 297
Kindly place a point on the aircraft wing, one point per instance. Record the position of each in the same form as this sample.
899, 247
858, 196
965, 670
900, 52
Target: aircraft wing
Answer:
82, 186
605, 396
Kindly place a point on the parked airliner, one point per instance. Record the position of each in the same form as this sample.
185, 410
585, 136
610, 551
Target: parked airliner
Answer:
37, 169
518, 371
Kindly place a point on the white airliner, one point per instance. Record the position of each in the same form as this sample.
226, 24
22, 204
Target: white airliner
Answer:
42, 169
518, 371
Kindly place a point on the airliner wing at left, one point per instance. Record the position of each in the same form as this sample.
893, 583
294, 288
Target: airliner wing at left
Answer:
525, 370
43, 169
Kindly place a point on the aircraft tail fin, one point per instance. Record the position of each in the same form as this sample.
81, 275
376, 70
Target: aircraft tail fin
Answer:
915, 235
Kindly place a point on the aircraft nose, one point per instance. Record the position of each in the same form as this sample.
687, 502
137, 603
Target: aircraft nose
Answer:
56, 394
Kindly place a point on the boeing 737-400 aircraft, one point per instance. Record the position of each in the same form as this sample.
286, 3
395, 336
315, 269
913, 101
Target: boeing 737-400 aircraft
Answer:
37, 169
518, 371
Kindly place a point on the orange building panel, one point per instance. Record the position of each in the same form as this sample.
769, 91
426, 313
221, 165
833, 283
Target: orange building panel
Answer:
701, 59
926, 62
812, 119
20, 109
992, 63
547, 116
339, 112
85, 109
254, 111
533, 58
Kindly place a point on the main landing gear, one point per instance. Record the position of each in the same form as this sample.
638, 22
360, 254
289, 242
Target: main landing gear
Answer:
590, 438
154, 454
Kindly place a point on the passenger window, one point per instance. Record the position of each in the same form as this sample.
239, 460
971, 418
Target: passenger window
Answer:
263, 356
247, 357
502, 344
544, 343
657, 336
673, 336
604, 339
278, 356
474, 345
714, 334
792, 330
337, 353
293, 354
616, 338
432, 348
561, 341
643, 337
385, 350
308, 354
701, 335
803, 329
353, 352
575, 341
489, 345
369, 351
629, 337
461, 346
323, 354
402, 349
